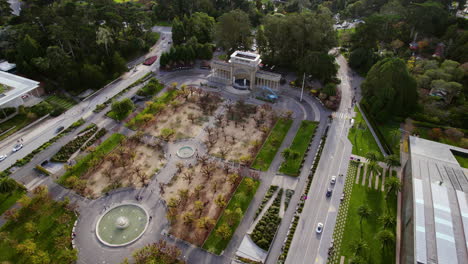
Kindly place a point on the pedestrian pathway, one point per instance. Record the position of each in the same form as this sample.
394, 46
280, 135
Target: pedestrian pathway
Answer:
371, 175
377, 182
364, 176
358, 173
383, 179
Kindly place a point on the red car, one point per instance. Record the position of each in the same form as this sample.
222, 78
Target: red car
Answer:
149, 61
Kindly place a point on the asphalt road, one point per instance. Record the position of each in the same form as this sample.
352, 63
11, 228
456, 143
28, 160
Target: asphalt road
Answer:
39, 134
308, 246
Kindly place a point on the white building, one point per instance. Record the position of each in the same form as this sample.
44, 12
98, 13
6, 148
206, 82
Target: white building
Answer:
13, 88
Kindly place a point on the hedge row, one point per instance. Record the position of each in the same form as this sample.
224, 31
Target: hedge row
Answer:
73, 146
300, 205
267, 197
265, 230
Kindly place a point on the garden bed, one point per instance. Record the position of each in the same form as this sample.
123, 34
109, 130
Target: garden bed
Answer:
265, 230
295, 154
74, 145
267, 153
241, 199
266, 198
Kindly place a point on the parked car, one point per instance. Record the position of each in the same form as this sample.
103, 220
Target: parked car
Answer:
333, 179
329, 192
17, 147
342, 197
60, 128
3, 157
319, 228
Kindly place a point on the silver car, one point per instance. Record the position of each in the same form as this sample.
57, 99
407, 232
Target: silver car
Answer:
17, 147
3, 157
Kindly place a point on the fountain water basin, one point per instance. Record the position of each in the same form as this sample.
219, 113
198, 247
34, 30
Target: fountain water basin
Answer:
185, 152
122, 225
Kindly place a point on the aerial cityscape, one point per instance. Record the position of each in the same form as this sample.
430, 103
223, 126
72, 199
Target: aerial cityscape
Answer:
233, 131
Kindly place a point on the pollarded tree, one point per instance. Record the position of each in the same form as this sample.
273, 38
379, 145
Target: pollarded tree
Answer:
389, 89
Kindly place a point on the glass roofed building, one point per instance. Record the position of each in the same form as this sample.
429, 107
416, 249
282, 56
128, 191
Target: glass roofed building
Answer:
435, 204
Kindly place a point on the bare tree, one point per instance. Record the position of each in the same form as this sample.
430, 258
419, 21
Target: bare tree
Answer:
188, 176
209, 130
203, 160
179, 166
224, 151
191, 117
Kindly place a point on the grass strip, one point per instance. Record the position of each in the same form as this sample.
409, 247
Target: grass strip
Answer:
7, 200
241, 199
361, 137
266, 155
83, 165
292, 164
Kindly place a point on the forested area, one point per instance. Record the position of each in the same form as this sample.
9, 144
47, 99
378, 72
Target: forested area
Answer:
75, 45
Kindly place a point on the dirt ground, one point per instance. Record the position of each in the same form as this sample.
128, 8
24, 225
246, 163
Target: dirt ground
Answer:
179, 121
128, 165
210, 189
240, 141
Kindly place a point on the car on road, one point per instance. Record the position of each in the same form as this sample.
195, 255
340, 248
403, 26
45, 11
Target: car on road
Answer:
149, 61
333, 179
60, 128
329, 192
319, 228
3, 157
17, 147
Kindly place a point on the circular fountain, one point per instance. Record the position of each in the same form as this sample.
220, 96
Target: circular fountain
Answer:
122, 225
185, 152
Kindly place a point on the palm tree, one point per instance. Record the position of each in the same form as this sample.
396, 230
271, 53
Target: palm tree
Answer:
364, 212
388, 221
357, 260
371, 156
359, 247
392, 161
7, 185
386, 237
393, 185
373, 168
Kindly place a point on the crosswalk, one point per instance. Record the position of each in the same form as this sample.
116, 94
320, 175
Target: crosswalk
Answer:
341, 115
35, 183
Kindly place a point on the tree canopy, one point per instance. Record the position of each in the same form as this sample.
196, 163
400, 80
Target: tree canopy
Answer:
233, 31
389, 89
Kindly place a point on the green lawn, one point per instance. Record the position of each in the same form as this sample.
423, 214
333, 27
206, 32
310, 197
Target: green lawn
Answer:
392, 135
63, 102
241, 199
378, 204
273, 142
292, 166
463, 161
361, 137
49, 223
82, 166
7, 200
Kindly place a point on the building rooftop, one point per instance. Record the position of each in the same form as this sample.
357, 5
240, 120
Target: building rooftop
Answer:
6, 66
247, 58
14, 86
440, 188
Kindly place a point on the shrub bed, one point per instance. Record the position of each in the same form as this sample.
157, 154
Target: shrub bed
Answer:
265, 230
96, 136
73, 146
267, 198
151, 88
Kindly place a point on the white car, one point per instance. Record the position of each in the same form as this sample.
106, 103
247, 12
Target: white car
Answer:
333, 180
319, 228
17, 147
3, 157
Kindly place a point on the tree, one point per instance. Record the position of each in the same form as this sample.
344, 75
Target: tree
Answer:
178, 31
250, 184
364, 212
388, 221
233, 178
104, 37
7, 185
389, 90
386, 238
392, 185
122, 108
5, 11
320, 65
359, 247
362, 59
224, 232
183, 194
220, 201
187, 218
373, 168
233, 31
27, 247
205, 223
392, 161
371, 156
199, 206
159, 252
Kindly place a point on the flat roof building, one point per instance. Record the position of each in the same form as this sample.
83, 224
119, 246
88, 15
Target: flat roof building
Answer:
434, 215
12, 87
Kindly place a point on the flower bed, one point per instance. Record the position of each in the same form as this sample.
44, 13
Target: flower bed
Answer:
73, 146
